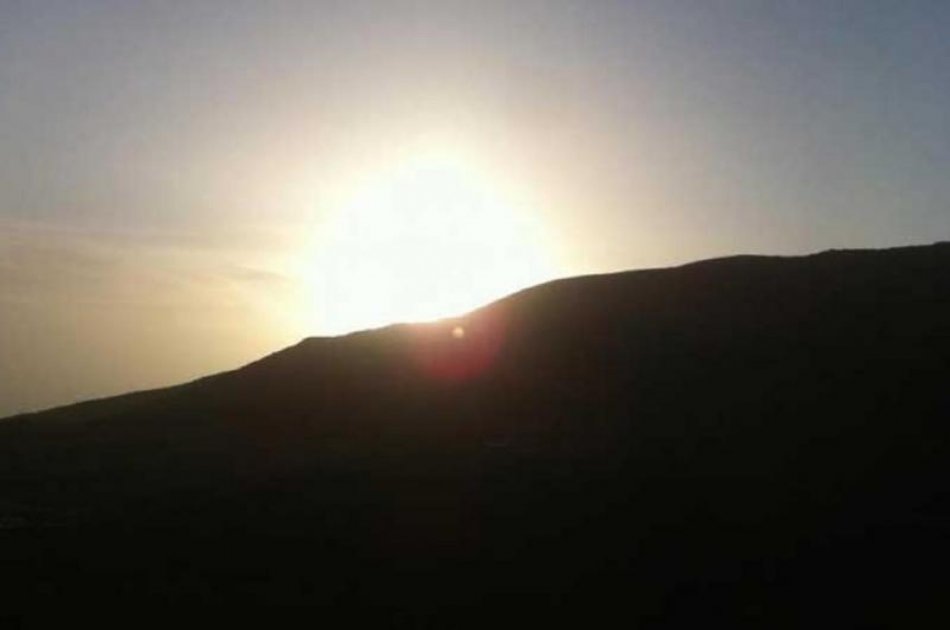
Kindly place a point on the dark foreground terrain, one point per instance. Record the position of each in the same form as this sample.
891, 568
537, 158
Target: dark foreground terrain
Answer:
751, 438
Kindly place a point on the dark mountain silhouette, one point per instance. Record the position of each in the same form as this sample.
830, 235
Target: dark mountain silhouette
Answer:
757, 438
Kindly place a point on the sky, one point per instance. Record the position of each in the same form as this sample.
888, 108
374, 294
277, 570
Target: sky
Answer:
186, 186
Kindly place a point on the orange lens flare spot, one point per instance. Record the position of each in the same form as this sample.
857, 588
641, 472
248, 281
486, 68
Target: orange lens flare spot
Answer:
458, 353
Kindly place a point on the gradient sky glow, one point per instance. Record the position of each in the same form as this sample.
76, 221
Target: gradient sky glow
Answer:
166, 167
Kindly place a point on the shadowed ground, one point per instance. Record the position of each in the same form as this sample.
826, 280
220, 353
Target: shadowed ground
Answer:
755, 438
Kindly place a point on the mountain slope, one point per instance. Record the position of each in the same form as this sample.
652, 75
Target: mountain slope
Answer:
734, 437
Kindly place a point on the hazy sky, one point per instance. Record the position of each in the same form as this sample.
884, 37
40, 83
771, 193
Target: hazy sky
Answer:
173, 174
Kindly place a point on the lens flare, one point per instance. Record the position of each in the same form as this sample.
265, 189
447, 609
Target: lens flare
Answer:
459, 352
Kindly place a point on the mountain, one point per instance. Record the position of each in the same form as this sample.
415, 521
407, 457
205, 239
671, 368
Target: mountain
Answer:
748, 438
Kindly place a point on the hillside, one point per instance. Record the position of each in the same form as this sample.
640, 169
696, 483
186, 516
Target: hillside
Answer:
756, 437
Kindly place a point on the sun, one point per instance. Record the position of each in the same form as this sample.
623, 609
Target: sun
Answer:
430, 237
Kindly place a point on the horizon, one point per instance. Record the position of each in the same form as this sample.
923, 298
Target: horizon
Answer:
184, 189
452, 319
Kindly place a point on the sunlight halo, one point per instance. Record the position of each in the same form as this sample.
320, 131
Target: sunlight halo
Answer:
429, 237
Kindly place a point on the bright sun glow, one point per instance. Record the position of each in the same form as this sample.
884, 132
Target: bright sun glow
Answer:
428, 238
